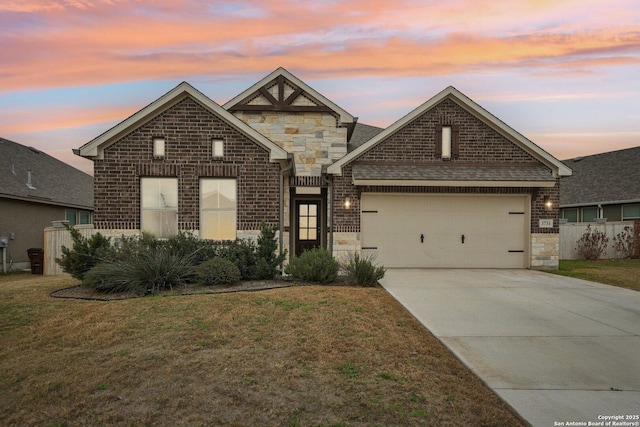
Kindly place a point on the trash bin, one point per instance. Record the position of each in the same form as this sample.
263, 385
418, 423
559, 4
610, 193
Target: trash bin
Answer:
36, 256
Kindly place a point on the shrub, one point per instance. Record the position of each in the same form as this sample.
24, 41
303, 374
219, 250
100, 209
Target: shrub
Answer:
188, 243
362, 270
218, 271
84, 254
240, 252
145, 272
315, 265
627, 242
592, 244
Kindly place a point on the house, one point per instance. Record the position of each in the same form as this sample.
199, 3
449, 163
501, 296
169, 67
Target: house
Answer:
602, 186
35, 190
448, 185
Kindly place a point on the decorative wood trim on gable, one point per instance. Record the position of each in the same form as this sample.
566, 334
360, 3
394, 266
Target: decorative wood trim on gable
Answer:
280, 103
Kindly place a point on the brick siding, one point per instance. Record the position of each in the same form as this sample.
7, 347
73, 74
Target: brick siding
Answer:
415, 142
188, 128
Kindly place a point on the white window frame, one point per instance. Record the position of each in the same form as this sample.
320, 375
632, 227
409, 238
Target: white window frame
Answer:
168, 212
159, 147
217, 233
446, 142
217, 147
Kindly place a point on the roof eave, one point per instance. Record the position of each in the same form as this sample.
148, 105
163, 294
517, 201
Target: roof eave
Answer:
559, 169
450, 183
94, 148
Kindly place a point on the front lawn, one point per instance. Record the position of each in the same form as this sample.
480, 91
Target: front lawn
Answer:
307, 355
624, 273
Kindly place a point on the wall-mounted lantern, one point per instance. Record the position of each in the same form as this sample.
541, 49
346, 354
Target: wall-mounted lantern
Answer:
347, 203
548, 203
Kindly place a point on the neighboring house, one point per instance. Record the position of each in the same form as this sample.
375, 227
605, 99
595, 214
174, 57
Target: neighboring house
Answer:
35, 190
448, 185
603, 185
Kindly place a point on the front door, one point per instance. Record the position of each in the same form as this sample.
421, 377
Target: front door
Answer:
308, 225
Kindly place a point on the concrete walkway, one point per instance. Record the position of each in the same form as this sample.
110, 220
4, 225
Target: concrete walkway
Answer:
558, 350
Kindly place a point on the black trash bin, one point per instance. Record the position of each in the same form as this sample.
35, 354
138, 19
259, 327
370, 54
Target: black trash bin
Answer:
36, 256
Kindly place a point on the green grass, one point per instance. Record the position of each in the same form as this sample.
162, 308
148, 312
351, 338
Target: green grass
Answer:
624, 273
297, 356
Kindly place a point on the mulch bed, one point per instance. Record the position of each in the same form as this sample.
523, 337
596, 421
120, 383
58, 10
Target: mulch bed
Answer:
84, 293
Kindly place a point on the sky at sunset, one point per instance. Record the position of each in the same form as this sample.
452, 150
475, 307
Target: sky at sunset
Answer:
564, 73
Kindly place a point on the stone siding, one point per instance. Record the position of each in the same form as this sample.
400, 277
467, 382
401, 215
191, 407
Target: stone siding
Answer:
314, 139
345, 244
545, 251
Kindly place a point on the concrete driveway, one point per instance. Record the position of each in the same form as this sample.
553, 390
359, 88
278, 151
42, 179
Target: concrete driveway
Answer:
557, 349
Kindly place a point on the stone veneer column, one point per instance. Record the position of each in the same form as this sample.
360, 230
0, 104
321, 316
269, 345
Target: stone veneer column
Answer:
545, 251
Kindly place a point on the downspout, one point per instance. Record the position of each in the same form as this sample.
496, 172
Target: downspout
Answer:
281, 219
329, 183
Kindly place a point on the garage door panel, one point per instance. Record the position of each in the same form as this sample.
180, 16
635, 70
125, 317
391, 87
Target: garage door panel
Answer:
492, 227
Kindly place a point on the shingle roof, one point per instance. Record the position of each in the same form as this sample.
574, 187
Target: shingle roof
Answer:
54, 182
602, 178
361, 134
538, 174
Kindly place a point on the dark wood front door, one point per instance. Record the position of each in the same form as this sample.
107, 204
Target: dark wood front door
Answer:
308, 225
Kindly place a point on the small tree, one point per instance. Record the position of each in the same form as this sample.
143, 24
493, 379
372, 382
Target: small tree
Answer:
267, 260
627, 242
592, 244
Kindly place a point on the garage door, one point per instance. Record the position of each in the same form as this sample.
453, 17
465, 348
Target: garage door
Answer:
446, 231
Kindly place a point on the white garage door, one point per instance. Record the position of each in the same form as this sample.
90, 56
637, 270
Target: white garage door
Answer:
446, 231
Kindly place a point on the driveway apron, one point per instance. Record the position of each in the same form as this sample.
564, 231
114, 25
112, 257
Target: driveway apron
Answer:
560, 351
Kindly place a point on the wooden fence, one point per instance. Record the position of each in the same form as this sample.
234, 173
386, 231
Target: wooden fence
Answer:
54, 239
572, 232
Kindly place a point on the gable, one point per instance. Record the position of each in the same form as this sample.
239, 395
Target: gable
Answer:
95, 148
298, 119
482, 138
282, 91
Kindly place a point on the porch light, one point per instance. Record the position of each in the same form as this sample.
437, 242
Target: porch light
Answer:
548, 203
347, 203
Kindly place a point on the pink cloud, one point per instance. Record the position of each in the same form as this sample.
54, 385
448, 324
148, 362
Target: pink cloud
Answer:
97, 42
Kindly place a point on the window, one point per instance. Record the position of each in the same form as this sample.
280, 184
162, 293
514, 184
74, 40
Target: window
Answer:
571, 215
159, 206
71, 216
158, 147
589, 214
217, 147
308, 221
218, 208
76, 217
84, 217
631, 211
446, 142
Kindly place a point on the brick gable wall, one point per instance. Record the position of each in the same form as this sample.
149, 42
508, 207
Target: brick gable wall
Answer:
188, 129
416, 142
